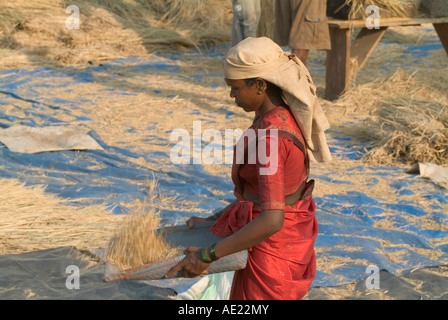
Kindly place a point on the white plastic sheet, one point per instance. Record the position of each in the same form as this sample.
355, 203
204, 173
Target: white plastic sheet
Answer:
24, 139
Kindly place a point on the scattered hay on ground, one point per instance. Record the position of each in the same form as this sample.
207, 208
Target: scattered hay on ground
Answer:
31, 219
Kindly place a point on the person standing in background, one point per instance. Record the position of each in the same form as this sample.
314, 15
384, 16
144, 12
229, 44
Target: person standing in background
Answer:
246, 16
302, 25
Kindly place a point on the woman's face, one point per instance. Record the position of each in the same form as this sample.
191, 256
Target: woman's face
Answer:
246, 97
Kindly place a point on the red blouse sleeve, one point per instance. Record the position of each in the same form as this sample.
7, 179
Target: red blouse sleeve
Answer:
279, 174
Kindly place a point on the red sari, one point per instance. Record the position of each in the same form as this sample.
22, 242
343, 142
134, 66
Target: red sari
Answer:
283, 266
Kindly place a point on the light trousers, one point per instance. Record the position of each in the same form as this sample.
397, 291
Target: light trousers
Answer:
246, 16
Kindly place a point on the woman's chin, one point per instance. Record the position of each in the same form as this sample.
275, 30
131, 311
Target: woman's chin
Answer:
247, 109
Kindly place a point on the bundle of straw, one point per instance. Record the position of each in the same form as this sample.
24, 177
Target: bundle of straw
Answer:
136, 241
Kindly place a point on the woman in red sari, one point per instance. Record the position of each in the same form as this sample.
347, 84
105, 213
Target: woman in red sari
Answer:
274, 214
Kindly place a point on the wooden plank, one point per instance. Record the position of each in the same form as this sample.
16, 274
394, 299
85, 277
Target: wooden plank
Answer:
338, 63
364, 44
442, 32
385, 22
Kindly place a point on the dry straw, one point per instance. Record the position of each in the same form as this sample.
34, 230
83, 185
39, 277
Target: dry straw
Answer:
388, 8
137, 241
34, 32
405, 118
31, 219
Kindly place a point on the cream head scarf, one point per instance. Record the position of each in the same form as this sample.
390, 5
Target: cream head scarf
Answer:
262, 57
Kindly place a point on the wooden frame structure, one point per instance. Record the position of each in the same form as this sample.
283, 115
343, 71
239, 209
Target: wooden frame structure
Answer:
345, 56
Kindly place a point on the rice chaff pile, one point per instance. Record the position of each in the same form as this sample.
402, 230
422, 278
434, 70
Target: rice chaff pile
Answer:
402, 119
412, 130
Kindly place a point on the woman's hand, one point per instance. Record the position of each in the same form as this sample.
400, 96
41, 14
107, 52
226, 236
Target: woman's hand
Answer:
192, 264
194, 220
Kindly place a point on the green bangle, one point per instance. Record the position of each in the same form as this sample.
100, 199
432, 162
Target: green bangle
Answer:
204, 257
211, 252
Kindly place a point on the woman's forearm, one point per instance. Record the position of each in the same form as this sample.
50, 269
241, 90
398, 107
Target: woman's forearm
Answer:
267, 224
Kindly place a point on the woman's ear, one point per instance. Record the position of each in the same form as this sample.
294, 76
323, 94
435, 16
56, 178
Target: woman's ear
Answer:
261, 85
